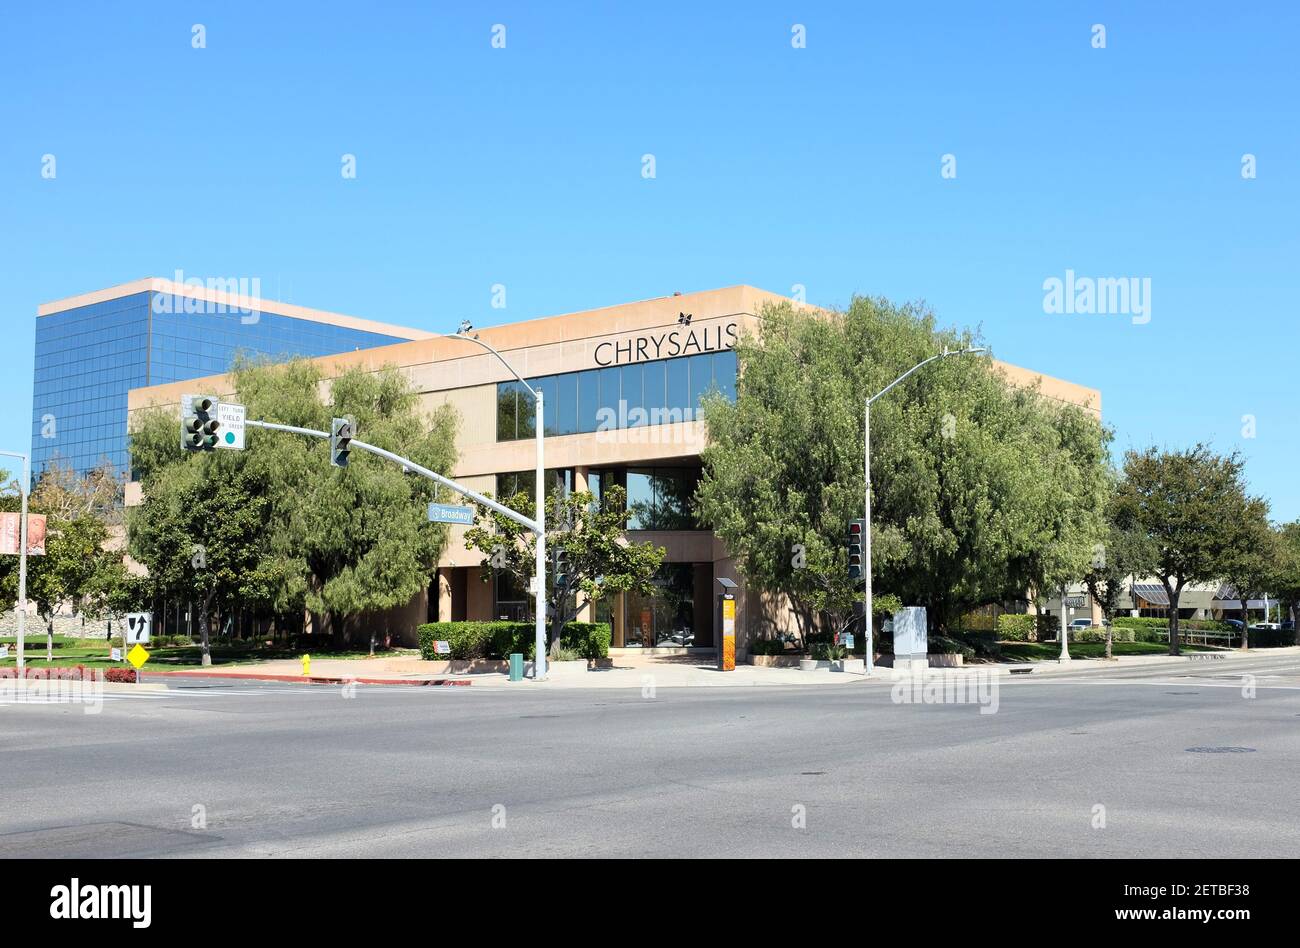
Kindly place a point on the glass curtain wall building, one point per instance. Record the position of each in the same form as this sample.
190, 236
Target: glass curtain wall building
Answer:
89, 356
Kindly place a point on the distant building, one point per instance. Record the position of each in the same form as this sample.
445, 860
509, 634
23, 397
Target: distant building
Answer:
94, 348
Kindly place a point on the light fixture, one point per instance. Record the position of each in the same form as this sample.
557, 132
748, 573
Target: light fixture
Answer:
465, 326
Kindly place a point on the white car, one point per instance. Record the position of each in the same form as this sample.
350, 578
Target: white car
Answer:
1078, 624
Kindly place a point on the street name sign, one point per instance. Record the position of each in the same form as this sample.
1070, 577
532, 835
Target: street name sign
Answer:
450, 513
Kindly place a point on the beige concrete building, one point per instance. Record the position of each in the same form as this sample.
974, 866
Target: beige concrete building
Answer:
621, 387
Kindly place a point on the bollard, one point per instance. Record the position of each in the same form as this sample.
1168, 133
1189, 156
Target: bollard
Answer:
306, 665
516, 667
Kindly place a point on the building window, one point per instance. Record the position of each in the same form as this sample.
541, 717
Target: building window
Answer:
659, 498
666, 617
624, 396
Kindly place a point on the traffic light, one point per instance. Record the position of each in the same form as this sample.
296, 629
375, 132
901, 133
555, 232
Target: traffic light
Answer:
340, 441
561, 569
855, 539
199, 425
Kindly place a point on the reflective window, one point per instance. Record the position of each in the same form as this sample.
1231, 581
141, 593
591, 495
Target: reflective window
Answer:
659, 392
88, 358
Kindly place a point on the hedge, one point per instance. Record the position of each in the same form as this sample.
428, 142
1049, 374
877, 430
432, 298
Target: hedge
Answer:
471, 640
1017, 627
1099, 635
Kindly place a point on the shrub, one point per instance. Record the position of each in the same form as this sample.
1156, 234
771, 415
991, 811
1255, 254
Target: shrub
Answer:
828, 652
984, 643
1099, 635
588, 639
1016, 627
1271, 638
472, 640
943, 645
123, 675
767, 647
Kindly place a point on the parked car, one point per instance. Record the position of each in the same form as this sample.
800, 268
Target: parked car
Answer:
1265, 627
1288, 626
1237, 624
1078, 624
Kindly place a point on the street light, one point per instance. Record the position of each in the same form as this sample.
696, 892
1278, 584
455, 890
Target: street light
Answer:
23, 489
539, 661
866, 539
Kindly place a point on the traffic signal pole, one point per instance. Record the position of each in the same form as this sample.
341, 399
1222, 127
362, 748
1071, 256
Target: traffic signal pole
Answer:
409, 465
537, 526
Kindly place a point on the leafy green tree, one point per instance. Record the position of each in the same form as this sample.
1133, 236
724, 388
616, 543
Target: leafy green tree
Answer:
591, 557
1121, 555
1252, 567
1192, 508
204, 541
1287, 579
981, 488
342, 542
81, 567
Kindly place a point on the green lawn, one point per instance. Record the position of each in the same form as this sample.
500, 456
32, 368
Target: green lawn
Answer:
95, 654
1042, 651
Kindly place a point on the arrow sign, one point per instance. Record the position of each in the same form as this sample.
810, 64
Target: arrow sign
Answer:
450, 513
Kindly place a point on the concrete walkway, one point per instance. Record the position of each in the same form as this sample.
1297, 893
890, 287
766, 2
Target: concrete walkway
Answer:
673, 671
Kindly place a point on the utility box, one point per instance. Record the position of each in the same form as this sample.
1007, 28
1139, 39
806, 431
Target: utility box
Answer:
911, 642
516, 666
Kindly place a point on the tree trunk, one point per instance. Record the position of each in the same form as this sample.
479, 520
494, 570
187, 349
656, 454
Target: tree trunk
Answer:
1110, 636
1245, 624
203, 630
49, 638
1174, 593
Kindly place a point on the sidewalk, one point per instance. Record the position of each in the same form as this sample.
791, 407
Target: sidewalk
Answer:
672, 671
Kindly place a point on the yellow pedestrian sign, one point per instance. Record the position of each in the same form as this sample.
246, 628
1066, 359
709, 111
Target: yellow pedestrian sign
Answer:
138, 656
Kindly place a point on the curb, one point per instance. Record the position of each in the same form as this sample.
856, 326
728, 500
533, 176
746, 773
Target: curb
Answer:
312, 679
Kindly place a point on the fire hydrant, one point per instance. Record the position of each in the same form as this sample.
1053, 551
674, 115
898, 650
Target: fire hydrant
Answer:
306, 665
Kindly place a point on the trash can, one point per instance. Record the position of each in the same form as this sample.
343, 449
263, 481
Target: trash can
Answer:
516, 666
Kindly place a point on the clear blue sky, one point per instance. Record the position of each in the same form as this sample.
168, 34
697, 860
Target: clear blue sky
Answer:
775, 166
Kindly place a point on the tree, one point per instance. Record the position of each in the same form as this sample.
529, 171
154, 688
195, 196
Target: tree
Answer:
1120, 556
1287, 542
339, 542
1191, 507
591, 557
981, 488
202, 540
80, 567
1252, 565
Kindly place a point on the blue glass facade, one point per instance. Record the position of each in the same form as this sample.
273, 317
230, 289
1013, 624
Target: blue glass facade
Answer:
88, 358
620, 396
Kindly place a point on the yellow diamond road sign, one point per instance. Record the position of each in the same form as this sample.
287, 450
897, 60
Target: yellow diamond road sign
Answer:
138, 656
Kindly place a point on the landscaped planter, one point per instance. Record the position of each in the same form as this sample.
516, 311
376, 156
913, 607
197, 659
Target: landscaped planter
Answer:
856, 666
775, 661
945, 659
813, 664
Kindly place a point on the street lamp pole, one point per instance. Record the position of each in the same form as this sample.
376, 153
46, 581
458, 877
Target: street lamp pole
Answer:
23, 489
539, 579
866, 440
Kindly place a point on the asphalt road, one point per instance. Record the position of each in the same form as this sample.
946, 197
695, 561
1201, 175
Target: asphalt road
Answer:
299, 770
